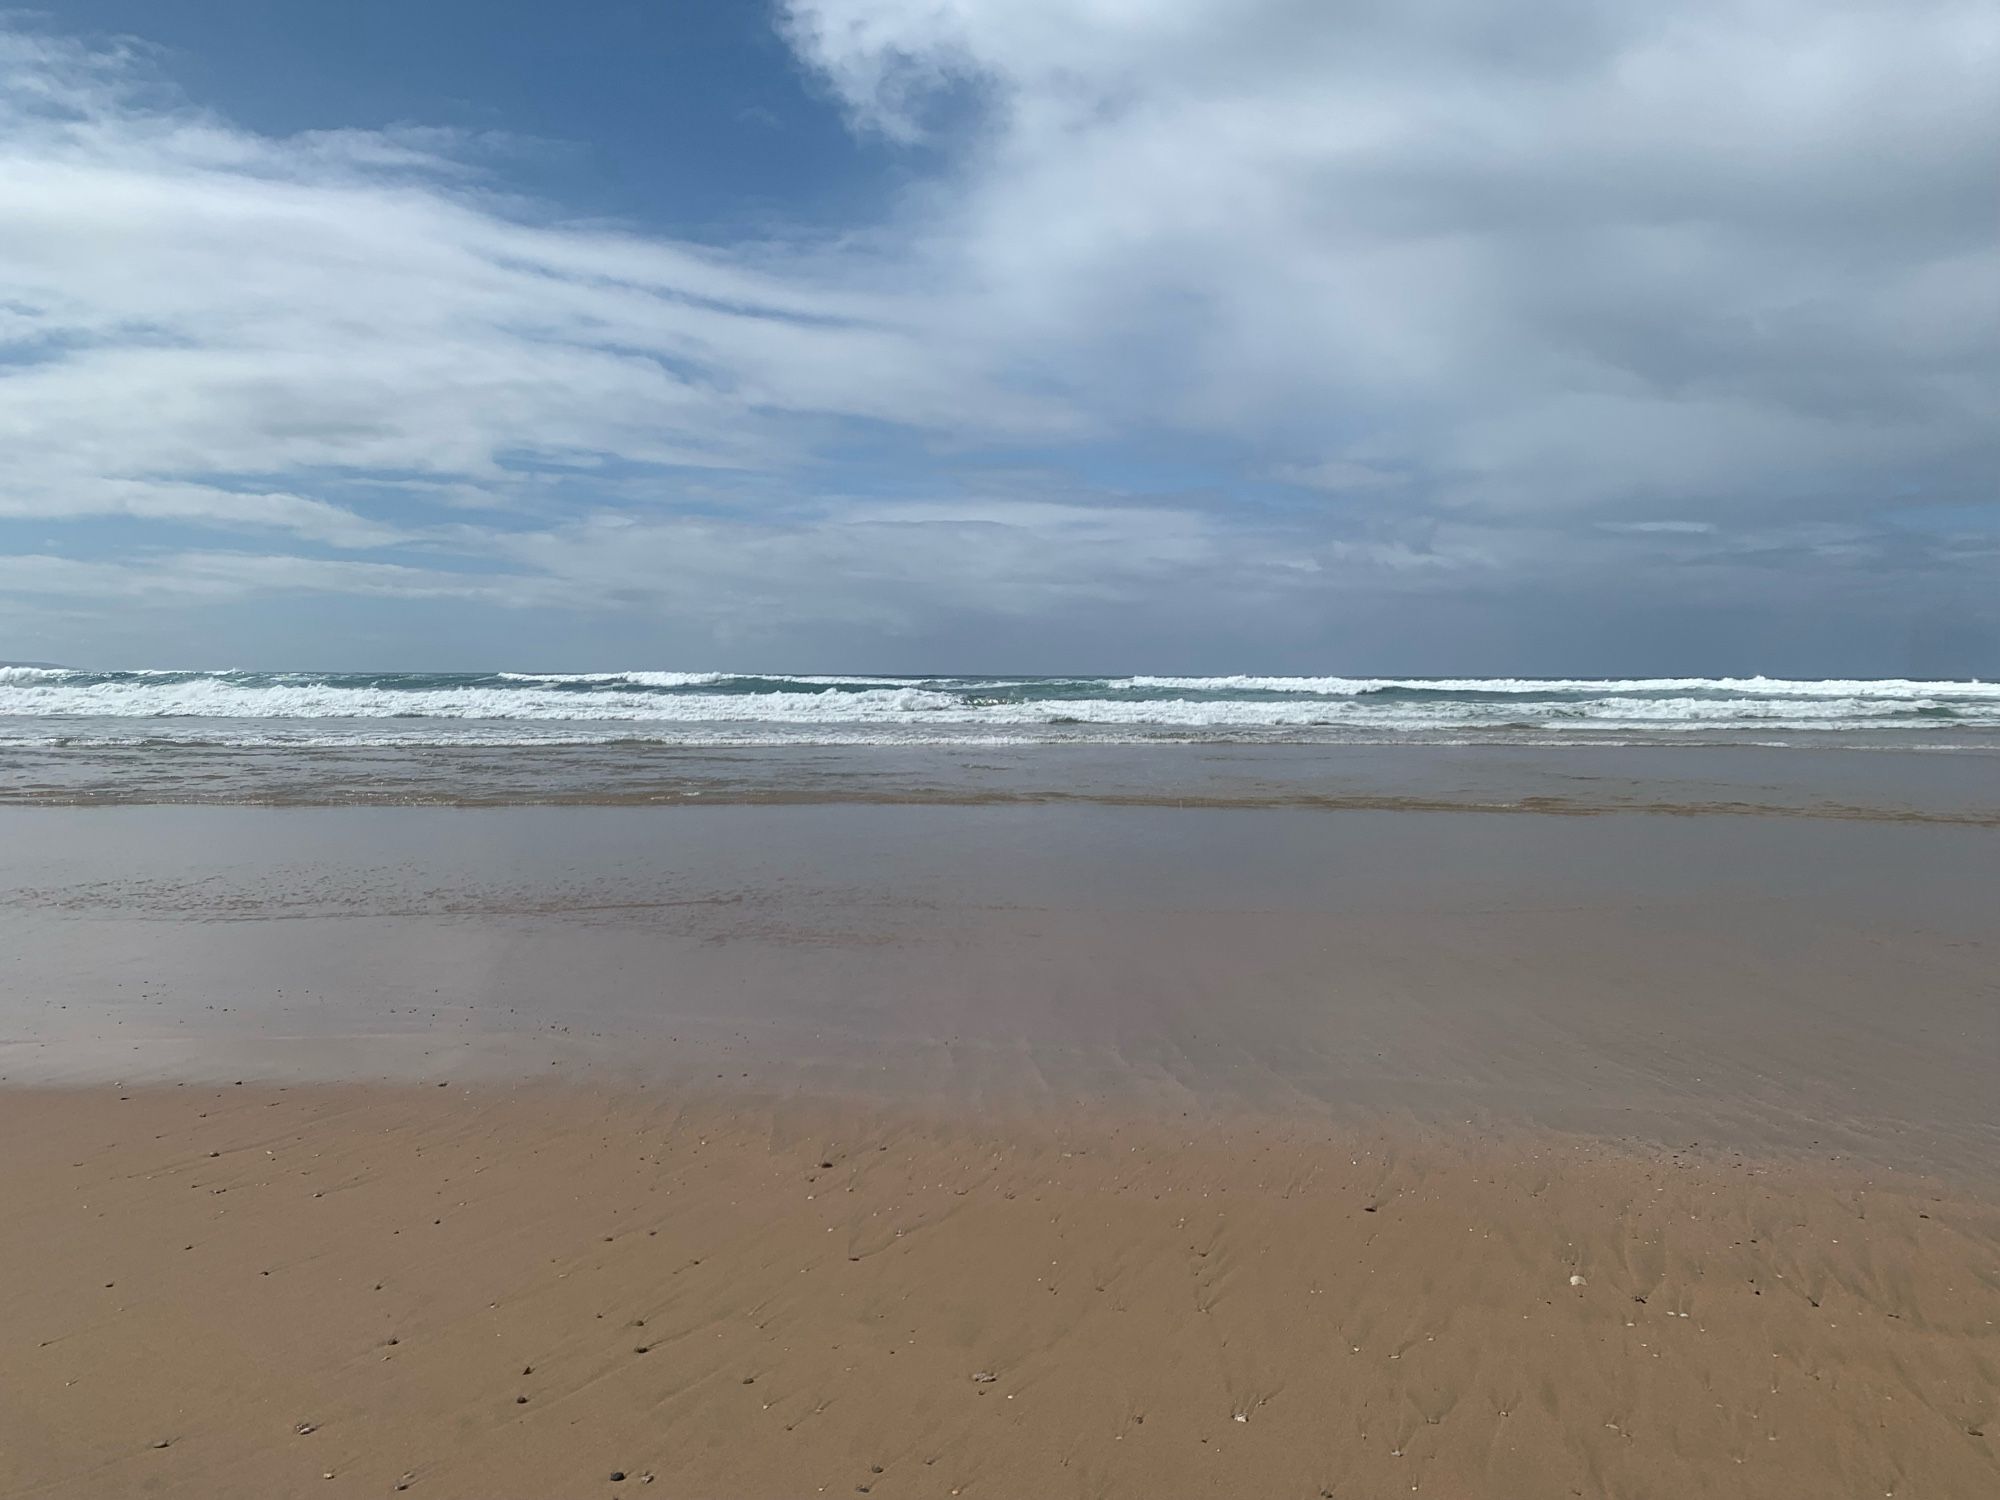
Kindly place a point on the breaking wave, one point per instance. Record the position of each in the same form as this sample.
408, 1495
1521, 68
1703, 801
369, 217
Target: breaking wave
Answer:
43, 705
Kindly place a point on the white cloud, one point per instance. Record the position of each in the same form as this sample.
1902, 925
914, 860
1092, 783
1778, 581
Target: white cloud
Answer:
68, 495
1566, 256
228, 576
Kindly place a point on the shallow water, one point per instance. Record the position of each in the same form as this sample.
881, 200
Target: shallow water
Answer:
1820, 985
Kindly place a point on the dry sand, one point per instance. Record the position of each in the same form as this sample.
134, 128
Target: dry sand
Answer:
500, 1291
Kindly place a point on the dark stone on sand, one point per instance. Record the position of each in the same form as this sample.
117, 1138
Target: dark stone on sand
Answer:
617, 1476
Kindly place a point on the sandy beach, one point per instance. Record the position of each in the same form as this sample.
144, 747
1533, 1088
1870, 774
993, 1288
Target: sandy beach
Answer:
778, 1151
495, 1291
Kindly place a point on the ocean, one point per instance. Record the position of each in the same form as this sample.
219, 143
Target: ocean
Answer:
74, 736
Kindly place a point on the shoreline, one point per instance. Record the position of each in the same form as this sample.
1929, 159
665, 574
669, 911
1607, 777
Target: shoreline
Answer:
1779, 985
1530, 807
1849, 781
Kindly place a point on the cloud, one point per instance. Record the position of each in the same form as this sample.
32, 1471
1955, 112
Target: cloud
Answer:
1424, 324
1337, 476
1570, 256
74, 494
186, 300
228, 575
899, 565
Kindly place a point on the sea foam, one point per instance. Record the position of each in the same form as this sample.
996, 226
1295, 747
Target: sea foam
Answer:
716, 707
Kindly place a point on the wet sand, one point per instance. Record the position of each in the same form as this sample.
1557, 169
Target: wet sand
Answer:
738, 1141
502, 1291
1943, 776
1819, 987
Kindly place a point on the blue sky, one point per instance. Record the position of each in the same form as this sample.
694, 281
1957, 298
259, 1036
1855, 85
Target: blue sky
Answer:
688, 119
1002, 335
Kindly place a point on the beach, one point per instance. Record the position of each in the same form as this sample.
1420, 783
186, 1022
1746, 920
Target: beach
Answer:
998, 1148
525, 1290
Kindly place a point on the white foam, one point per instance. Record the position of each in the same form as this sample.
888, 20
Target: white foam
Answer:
26, 676
1778, 687
208, 697
680, 704
692, 679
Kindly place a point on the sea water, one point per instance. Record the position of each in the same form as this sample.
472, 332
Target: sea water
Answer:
73, 735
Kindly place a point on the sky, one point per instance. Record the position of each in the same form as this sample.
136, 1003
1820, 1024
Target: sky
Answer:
1370, 336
